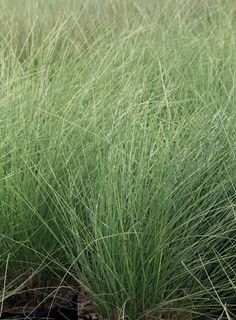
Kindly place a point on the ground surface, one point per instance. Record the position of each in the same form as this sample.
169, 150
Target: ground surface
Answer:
68, 303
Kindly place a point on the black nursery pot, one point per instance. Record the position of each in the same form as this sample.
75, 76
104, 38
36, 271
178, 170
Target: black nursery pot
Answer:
67, 310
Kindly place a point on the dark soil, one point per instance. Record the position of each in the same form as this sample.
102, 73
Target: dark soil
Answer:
28, 306
58, 303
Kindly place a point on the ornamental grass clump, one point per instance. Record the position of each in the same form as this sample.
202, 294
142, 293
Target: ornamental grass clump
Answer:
118, 168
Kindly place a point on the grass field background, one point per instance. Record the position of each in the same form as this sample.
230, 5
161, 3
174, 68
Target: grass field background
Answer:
117, 152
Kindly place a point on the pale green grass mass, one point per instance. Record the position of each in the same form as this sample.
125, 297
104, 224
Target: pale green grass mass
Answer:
117, 151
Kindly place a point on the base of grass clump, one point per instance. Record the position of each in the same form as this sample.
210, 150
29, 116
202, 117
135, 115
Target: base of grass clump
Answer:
27, 300
59, 303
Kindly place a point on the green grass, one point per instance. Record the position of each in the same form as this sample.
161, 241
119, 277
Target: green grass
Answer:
117, 152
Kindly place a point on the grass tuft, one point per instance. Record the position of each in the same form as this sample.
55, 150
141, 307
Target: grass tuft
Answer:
117, 152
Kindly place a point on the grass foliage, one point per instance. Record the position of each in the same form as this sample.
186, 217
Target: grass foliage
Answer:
117, 151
